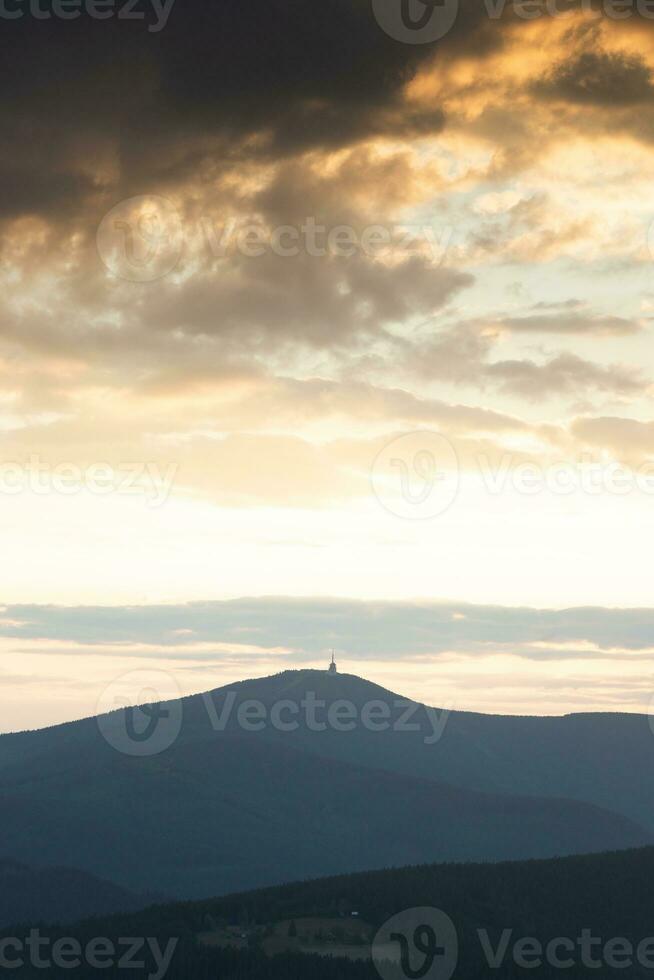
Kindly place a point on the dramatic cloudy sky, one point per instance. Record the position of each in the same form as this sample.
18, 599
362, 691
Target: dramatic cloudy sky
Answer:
291, 308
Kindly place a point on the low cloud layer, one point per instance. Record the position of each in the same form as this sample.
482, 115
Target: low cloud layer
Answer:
306, 628
451, 655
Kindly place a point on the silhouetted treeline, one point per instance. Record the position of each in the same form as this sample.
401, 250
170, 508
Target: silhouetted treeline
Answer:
609, 894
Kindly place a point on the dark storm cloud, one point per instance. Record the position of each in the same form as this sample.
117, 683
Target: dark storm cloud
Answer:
322, 304
156, 107
25, 191
600, 79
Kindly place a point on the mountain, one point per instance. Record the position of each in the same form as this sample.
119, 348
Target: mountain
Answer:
59, 894
587, 757
226, 808
604, 895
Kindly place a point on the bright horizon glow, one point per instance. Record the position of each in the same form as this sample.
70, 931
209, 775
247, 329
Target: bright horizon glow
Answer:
554, 551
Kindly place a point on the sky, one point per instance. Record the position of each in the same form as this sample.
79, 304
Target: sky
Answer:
314, 320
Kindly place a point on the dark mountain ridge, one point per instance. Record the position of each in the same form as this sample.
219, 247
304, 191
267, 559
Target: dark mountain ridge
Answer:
60, 894
224, 807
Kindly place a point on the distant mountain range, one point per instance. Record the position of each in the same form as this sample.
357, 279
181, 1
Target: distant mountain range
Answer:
60, 895
229, 809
